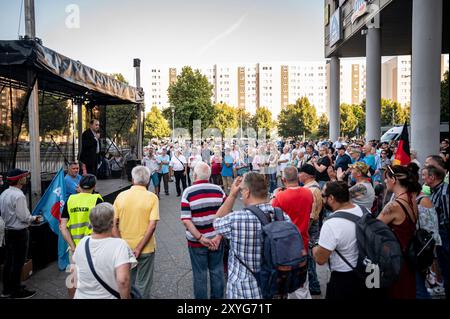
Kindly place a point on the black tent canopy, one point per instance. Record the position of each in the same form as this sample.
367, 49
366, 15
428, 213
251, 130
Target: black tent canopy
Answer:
61, 75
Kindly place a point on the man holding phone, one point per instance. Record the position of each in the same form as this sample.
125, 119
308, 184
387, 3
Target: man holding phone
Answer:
17, 217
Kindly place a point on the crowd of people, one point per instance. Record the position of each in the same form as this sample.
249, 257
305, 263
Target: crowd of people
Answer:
308, 181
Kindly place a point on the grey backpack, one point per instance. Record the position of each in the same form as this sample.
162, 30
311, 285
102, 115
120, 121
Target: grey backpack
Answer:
377, 247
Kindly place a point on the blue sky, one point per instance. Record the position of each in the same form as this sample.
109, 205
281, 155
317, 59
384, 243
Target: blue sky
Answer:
175, 32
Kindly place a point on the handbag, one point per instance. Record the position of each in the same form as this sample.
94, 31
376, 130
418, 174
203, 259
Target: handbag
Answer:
134, 292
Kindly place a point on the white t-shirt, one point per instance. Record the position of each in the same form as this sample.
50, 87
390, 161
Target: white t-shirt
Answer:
153, 164
177, 164
107, 254
284, 157
340, 234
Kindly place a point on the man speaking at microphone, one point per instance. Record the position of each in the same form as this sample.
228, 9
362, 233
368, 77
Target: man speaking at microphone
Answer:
90, 148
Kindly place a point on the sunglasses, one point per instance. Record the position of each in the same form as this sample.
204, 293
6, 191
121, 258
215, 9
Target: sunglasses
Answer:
325, 195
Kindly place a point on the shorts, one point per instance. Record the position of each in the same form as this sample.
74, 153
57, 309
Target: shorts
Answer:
155, 179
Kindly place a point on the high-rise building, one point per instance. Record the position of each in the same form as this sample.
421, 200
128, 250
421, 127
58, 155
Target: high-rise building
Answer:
353, 81
396, 78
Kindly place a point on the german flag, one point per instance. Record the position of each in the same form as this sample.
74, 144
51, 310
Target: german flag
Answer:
403, 155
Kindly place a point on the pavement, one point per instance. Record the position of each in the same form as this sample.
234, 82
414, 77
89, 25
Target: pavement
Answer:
173, 272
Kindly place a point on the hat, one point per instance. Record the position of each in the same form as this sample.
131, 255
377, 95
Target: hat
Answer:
360, 166
15, 174
88, 181
308, 169
341, 147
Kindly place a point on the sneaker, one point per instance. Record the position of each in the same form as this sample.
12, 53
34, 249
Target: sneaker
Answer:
5, 296
24, 294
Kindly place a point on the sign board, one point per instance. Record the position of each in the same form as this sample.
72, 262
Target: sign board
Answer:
359, 9
335, 27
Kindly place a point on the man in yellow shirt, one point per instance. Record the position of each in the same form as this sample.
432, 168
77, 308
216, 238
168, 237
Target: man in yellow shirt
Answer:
136, 212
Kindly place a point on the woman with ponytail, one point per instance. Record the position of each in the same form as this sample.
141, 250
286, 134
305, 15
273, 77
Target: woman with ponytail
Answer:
401, 216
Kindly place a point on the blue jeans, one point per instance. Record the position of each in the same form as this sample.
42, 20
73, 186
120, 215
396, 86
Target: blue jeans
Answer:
443, 255
421, 289
203, 261
272, 182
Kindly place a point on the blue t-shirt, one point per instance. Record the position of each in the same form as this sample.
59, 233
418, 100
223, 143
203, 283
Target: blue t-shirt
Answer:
227, 171
370, 161
164, 167
71, 185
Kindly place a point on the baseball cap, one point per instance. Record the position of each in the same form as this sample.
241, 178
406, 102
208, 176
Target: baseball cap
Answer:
15, 174
360, 166
308, 169
88, 181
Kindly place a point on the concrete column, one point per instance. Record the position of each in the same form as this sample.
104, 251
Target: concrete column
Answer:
425, 83
335, 86
373, 84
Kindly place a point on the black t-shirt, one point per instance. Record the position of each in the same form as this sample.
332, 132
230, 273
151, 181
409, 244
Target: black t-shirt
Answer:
325, 161
65, 212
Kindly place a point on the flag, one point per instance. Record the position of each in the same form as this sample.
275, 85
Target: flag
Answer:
403, 155
50, 207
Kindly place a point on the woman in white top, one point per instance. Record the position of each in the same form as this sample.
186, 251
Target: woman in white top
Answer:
195, 158
112, 259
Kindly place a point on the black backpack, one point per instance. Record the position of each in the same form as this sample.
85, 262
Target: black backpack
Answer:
377, 248
419, 254
284, 265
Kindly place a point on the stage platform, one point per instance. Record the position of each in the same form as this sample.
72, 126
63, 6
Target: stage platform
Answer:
110, 188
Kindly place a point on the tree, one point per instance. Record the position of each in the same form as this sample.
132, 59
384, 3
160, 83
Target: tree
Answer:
348, 119
392, 113
225, 117
54, 116
191, 98
444, 98
359, 110
263, 120
323, 129
155, 126
121, 119
298, 119
243, 118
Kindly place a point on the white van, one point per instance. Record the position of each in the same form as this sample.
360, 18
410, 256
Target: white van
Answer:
392, 134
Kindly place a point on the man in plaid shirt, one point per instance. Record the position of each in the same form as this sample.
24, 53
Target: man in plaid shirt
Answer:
244, 232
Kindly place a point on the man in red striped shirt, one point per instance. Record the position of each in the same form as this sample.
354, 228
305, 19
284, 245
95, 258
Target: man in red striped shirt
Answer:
199, 204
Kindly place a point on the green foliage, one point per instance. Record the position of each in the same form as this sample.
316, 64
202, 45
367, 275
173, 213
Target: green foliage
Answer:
121, 122
323, 129
444, 98
297, 119
263, 120
359, 110
155, 125
225, 117
392, 113
349, 121
246, 117
54, 116
191, 98
121, 119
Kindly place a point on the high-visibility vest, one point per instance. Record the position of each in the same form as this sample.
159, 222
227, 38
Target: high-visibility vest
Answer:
79, 206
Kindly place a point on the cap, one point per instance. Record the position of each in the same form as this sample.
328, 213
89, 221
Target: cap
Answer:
360, 166
15, 174
308, 169
88, 181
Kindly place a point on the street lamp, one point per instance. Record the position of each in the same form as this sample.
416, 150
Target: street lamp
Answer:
173, 123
